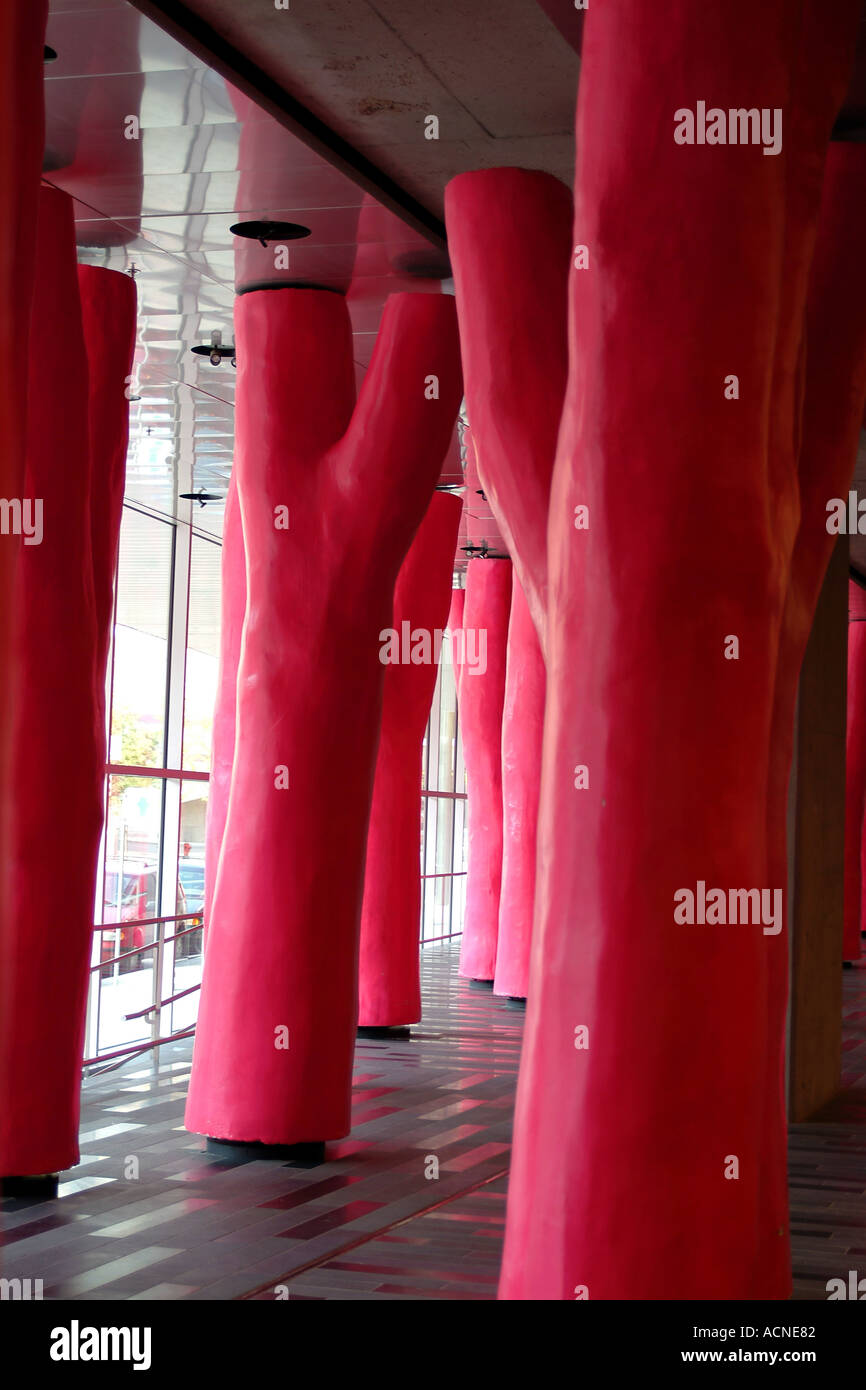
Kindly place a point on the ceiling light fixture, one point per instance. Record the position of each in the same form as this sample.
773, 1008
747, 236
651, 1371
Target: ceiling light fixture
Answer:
481, 552
201, 497
216, 350
267, 231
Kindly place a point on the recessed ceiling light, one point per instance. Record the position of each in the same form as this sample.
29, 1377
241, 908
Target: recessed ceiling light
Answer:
266, 231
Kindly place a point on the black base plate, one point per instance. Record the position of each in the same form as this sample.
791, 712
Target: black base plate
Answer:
30, 1185
370, 1030
246, 1150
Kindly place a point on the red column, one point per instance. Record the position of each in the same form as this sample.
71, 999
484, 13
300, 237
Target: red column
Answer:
509, 239
389, 989
57, 804
679, 471
108, 312
455, 629
22, 118
233, 602
855, 768
832, 388
276, 1029
834, 396
482, 692
522, 726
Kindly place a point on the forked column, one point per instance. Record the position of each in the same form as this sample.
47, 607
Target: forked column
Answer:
389, 990
331, 495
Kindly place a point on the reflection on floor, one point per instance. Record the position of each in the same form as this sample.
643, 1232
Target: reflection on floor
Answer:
150, 1215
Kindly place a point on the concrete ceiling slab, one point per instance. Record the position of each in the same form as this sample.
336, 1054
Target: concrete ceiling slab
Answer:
501, 80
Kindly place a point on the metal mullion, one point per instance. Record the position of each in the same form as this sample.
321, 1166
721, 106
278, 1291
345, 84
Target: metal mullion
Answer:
94, 994
173, 756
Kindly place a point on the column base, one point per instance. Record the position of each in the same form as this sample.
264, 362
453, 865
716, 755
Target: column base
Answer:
247, 1150
30, 1185
383, 1030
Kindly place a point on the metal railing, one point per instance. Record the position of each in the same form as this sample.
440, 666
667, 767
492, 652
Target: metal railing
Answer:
153, 1010
118, 1055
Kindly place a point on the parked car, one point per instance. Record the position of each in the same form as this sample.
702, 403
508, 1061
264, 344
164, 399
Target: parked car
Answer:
190, 898
129, 896
135, 902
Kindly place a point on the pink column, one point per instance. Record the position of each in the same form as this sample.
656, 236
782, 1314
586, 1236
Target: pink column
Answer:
522, 727
509, 238
834, 396
108, 312
22, 118
233, 602
330, 499
57, 796
855, 765
686, 548
830, 389
455, 629
389, 989
482, 692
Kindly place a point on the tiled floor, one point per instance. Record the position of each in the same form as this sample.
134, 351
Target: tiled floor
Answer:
827, 1165
150, 1215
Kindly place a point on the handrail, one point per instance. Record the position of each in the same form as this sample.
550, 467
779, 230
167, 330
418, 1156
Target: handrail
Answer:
138, 1047
152, 1008
145, 921
164, 774
140, 950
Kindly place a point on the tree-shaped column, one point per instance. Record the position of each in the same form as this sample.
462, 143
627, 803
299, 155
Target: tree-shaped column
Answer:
331, 494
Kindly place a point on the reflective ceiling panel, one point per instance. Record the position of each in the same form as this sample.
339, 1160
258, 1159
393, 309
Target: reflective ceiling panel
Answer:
162, 156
